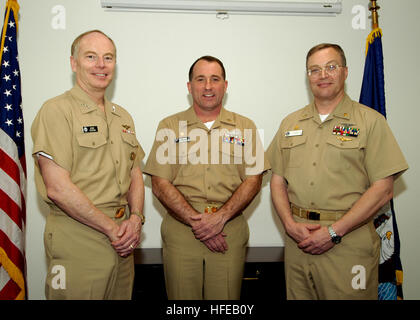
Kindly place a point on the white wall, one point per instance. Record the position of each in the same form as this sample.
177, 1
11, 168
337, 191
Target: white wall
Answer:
264, 57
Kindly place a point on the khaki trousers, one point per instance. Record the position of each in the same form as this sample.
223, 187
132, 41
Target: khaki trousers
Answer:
82, 264
349, 270
193, 272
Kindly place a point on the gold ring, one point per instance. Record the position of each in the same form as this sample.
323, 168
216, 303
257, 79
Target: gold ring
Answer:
131, 246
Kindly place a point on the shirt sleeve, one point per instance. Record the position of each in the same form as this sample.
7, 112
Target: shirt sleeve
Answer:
38, 154
383, 156
139, 151
52, 134
256, 161
162, 158
274, 154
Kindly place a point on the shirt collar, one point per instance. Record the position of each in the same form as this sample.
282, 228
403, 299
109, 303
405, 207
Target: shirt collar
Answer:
87, 105
225, 116
342, 110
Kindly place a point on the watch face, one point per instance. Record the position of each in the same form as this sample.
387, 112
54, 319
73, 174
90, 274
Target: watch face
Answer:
336, 239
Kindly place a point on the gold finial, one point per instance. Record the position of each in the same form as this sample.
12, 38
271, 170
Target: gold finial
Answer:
374, 8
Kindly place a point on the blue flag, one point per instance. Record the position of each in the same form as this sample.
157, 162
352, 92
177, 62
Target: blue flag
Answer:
373, 95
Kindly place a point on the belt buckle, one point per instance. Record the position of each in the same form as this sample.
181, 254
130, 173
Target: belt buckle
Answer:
119, 213
312, 215
210, 209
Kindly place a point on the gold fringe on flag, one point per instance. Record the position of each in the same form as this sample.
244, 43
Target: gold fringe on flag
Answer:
14, 273
371, 37
14, 6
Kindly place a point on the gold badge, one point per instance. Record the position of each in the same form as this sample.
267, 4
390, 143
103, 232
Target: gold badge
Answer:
132, 156
344, 139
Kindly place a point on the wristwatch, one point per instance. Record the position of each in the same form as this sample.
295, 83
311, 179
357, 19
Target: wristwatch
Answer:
335, 238
141, 216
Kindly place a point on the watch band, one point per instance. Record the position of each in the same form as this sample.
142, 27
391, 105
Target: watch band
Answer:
334, 236
140, 215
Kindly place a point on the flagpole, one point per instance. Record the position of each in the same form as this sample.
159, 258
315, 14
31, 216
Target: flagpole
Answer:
374, 9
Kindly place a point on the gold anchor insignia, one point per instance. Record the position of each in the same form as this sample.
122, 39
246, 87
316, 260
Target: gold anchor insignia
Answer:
126, 126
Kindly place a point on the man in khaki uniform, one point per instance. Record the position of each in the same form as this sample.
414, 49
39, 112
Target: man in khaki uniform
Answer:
334, 163
87, 168
206, 166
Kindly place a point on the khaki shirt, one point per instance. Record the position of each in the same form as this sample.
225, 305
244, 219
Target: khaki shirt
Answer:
97, 149
206, 166
329, 171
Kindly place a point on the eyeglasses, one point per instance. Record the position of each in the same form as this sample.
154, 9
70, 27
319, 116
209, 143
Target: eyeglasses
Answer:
316, 72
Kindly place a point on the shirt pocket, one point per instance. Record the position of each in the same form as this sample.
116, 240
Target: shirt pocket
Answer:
342, 155
91, 150
187, 167
129, 139
129, 148
293, 151
231, 163
91, 140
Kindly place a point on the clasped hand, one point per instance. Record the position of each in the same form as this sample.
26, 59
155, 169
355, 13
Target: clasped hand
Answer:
208, 228
312, 238
127, 236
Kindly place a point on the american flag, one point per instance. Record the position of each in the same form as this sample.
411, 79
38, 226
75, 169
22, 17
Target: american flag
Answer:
12, 164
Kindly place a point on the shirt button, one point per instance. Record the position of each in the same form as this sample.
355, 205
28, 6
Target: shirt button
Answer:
317, 145
312, 183
312, 204
112, 142
93, 143
208, 188
117, 162
314, 164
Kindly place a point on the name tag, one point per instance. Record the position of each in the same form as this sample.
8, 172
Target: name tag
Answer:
87, 129
182, 139
293, 133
